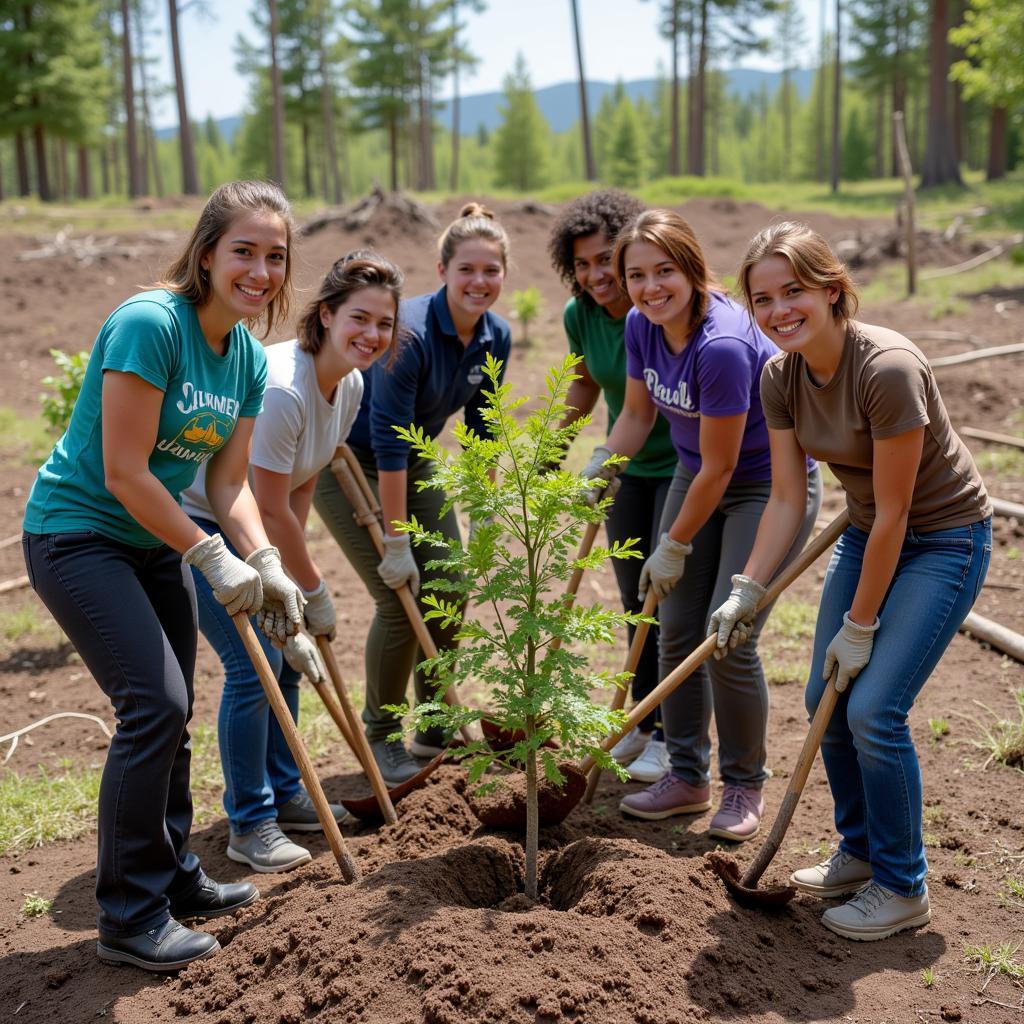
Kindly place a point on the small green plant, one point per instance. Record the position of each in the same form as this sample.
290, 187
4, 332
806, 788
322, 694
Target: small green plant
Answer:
35, 905
995, 960
928, 977
1012, 893
939, 727
20, 623
935, 815
527, 304
1001, 738
517, 564
932, 840
964, 860
64, 387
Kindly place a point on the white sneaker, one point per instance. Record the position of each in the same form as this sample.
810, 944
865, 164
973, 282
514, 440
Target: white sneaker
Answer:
652, 764
631, 746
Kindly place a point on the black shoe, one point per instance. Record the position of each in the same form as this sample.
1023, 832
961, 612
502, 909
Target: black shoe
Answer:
168, 947
212, 899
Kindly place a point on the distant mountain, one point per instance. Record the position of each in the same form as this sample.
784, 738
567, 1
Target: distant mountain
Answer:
228, 128
560, 103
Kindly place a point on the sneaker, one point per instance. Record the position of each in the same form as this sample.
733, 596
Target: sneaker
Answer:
299, 814
739, 815
429, 742
837, 875
631, 746
393, 760
266, 848
875, 913
668, 796
652, 763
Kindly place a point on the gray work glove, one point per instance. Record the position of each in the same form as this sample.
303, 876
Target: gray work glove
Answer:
321, 619
398, 565
236, 585
849, 651
596, 469
281, 614
733, 620
300, 652
663, 569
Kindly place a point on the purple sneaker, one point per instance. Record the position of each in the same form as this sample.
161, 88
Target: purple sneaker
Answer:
669, 795
739, 816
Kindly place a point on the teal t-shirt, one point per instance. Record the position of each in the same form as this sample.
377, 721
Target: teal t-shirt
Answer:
155, 335
601, 340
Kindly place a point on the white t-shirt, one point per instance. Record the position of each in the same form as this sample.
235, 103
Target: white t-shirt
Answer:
298, 431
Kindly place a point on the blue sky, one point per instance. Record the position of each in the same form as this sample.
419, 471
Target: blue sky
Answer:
620, 40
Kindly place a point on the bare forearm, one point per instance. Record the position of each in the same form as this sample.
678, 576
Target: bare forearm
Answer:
779, 524
285, 532
151, 505
630, 432
702, 498
393, 503
238, 516
881, 554
581, 399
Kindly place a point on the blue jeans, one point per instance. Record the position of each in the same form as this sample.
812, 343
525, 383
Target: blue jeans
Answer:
867, 749
260, 773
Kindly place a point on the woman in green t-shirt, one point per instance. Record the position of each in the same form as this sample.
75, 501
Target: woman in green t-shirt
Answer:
580, 247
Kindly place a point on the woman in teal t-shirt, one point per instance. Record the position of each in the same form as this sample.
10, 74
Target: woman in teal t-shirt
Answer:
580, 247
174, 382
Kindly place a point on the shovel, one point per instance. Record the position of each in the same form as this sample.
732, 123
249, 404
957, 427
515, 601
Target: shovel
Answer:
349, 868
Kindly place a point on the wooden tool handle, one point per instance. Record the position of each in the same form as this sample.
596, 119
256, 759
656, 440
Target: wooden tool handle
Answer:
586, 544
349, 868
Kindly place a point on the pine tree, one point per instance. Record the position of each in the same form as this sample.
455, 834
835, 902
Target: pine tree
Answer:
521, 141
625, 165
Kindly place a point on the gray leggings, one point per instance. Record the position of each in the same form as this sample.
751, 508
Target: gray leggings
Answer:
735, 686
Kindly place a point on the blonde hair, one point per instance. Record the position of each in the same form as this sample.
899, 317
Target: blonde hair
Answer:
186, 275
473, 221
674, 236
812, 259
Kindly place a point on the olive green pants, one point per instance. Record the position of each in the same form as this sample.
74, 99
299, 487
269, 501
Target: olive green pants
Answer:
391, 648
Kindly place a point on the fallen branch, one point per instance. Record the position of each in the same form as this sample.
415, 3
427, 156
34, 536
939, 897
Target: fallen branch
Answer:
1010, 509
16, 584
990, 435
8, 541
975, 261
982, 353
13, 737
84, 250
992, 633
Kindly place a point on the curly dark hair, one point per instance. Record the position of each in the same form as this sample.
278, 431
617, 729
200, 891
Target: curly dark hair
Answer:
608, 210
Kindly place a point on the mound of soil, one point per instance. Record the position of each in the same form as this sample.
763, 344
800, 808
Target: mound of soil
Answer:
505, 807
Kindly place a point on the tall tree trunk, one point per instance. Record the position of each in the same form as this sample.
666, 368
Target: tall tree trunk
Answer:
837, 103
899, 102
135, 186
21, 163
590, 167
881, 129
787, 124
150, 157
104, 169
700, 98
673, 145
307, 156
277, 92
63, 175
393, 147
333, 178
453, 177
939, 166
83, 177
186, 147
998, 150
819, 148
42, 170
426, 127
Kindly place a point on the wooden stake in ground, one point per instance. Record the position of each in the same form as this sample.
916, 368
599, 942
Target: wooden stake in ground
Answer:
908, 199
346, 863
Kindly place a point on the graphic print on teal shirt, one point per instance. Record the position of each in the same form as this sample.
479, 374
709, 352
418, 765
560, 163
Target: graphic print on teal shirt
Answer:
156, 336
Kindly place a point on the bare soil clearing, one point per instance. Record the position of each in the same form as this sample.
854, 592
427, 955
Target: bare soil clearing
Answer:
631, 927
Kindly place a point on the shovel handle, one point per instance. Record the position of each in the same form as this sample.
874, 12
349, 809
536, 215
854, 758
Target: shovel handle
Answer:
810, 554
586, 544
347, 864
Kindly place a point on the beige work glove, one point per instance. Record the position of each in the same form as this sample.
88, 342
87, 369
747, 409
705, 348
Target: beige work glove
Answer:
321, 618
662, 570
733, 620
281, 614
300, 652
236, 585
849, 651
596, 469
398, 565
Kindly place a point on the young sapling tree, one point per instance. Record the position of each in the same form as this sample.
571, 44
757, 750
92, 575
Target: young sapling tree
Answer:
528, 523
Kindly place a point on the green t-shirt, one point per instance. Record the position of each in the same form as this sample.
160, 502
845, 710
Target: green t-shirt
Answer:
155, 335
600, 339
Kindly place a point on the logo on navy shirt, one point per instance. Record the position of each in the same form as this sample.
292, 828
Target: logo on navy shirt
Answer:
475, 375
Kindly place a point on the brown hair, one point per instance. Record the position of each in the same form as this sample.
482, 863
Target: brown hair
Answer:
812, 259
361, 269
674, 236
474, 221
186, 275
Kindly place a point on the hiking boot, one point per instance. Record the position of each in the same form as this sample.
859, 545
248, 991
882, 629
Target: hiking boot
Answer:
213, 899
875, 913
837, 875
652, 763
738, 817
669, 795
631, 746
430, 742
299, 814
168, 947
267, 849
393, 760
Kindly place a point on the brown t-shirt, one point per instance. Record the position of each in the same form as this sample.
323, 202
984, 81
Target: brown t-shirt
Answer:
883, 387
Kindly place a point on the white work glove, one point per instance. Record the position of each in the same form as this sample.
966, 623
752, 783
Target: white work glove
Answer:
300, 652
398, 566
663, 569
321, 619
236, 585
596, 469
733, 620
281, 614
849, 651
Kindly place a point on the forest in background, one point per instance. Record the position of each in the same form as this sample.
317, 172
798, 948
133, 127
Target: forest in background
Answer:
342, 94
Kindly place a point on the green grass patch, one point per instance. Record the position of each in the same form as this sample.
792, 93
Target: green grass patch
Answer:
20, 623
25, 438
939, 727
786, 641
45, 806
1012, 893
995, 960
944, 295
1001, 738
928, 977
35, 905
1001, 461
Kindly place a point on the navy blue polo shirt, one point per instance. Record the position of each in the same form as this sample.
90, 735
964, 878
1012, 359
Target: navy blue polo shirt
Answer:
433, 376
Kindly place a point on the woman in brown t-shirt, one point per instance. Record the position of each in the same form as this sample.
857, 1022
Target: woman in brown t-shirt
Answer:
902, 578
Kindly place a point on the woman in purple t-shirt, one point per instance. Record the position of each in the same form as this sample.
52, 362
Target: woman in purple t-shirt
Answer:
695, 357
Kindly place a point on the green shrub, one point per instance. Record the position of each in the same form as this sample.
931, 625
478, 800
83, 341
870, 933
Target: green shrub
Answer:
64, 387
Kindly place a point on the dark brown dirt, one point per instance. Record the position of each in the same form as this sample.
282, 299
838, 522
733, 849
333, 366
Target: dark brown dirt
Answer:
630, 927
505, 807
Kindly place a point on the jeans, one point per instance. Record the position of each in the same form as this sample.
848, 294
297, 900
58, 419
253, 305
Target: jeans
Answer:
636, 512
130, 613
735, 686
260, 773
867, 749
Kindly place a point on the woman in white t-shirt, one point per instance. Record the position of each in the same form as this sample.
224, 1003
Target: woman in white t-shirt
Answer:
314, 388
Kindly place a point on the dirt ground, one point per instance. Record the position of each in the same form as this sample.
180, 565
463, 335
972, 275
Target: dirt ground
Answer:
631, 927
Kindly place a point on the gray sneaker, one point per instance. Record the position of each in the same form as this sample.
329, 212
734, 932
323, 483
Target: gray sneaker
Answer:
393, 760
875, 913
299, 814
837, 875
266, 848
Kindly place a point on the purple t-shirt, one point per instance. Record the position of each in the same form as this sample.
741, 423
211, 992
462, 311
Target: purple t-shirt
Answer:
717, 374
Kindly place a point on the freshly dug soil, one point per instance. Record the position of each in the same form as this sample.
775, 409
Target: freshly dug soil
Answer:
505, 807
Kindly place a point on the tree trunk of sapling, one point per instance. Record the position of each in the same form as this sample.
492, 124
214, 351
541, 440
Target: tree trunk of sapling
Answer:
532, 822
